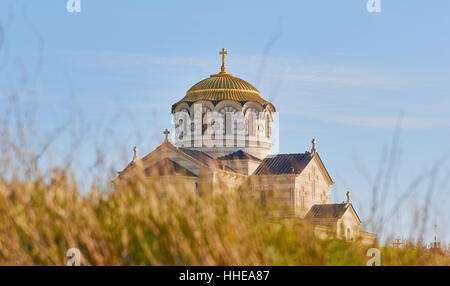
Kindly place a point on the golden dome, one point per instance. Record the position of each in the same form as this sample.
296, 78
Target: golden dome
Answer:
222, 86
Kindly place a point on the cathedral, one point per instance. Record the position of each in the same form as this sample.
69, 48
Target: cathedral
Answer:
223, 136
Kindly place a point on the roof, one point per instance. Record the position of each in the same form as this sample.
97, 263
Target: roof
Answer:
283, 164
335, 211
222, 86
205, 159
239, 155
198, 156
327, 211
167, 167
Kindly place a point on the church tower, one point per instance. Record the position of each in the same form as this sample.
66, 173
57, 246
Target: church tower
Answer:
223, 114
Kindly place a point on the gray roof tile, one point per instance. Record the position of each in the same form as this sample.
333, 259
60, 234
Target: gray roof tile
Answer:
335, 211
167, 167
283, 164
327, 211
239, 155
205, 159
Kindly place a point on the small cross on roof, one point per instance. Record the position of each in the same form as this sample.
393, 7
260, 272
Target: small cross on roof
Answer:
166, 133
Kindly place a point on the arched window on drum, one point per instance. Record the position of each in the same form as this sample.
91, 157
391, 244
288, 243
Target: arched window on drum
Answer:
181, 124
205, 110
227, 112
252, 119
268, 127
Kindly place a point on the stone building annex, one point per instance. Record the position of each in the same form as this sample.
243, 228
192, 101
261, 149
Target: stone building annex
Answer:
223, 136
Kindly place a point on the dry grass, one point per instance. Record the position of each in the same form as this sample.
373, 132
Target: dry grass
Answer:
137, 223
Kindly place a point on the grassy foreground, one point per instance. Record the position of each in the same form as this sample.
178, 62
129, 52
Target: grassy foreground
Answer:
138, 224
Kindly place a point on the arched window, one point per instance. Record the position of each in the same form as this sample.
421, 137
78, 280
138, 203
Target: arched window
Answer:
268, 129
348, 234
302, 198
252, 115
227, 112
313, 190
181, 134
181, 123
205, 110
266, 196
197, 190
271, 194
313, 178
323, 197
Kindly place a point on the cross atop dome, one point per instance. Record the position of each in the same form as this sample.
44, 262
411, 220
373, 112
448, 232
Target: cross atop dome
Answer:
223, 53
221, 87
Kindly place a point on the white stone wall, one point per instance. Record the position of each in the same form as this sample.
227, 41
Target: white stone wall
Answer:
278, 188
311, 187
298, 192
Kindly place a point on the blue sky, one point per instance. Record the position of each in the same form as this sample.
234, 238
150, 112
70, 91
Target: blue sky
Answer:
334, 71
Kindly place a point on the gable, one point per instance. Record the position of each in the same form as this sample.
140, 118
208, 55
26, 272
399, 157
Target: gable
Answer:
191, 160
320, 170
333, 211
167, 151
350, 214
285, 164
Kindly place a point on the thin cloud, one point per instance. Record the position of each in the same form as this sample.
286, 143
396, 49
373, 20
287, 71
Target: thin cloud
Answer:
360, 96
345, 74
341, 77
411, 123
105, 59
294, 70
407, 123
